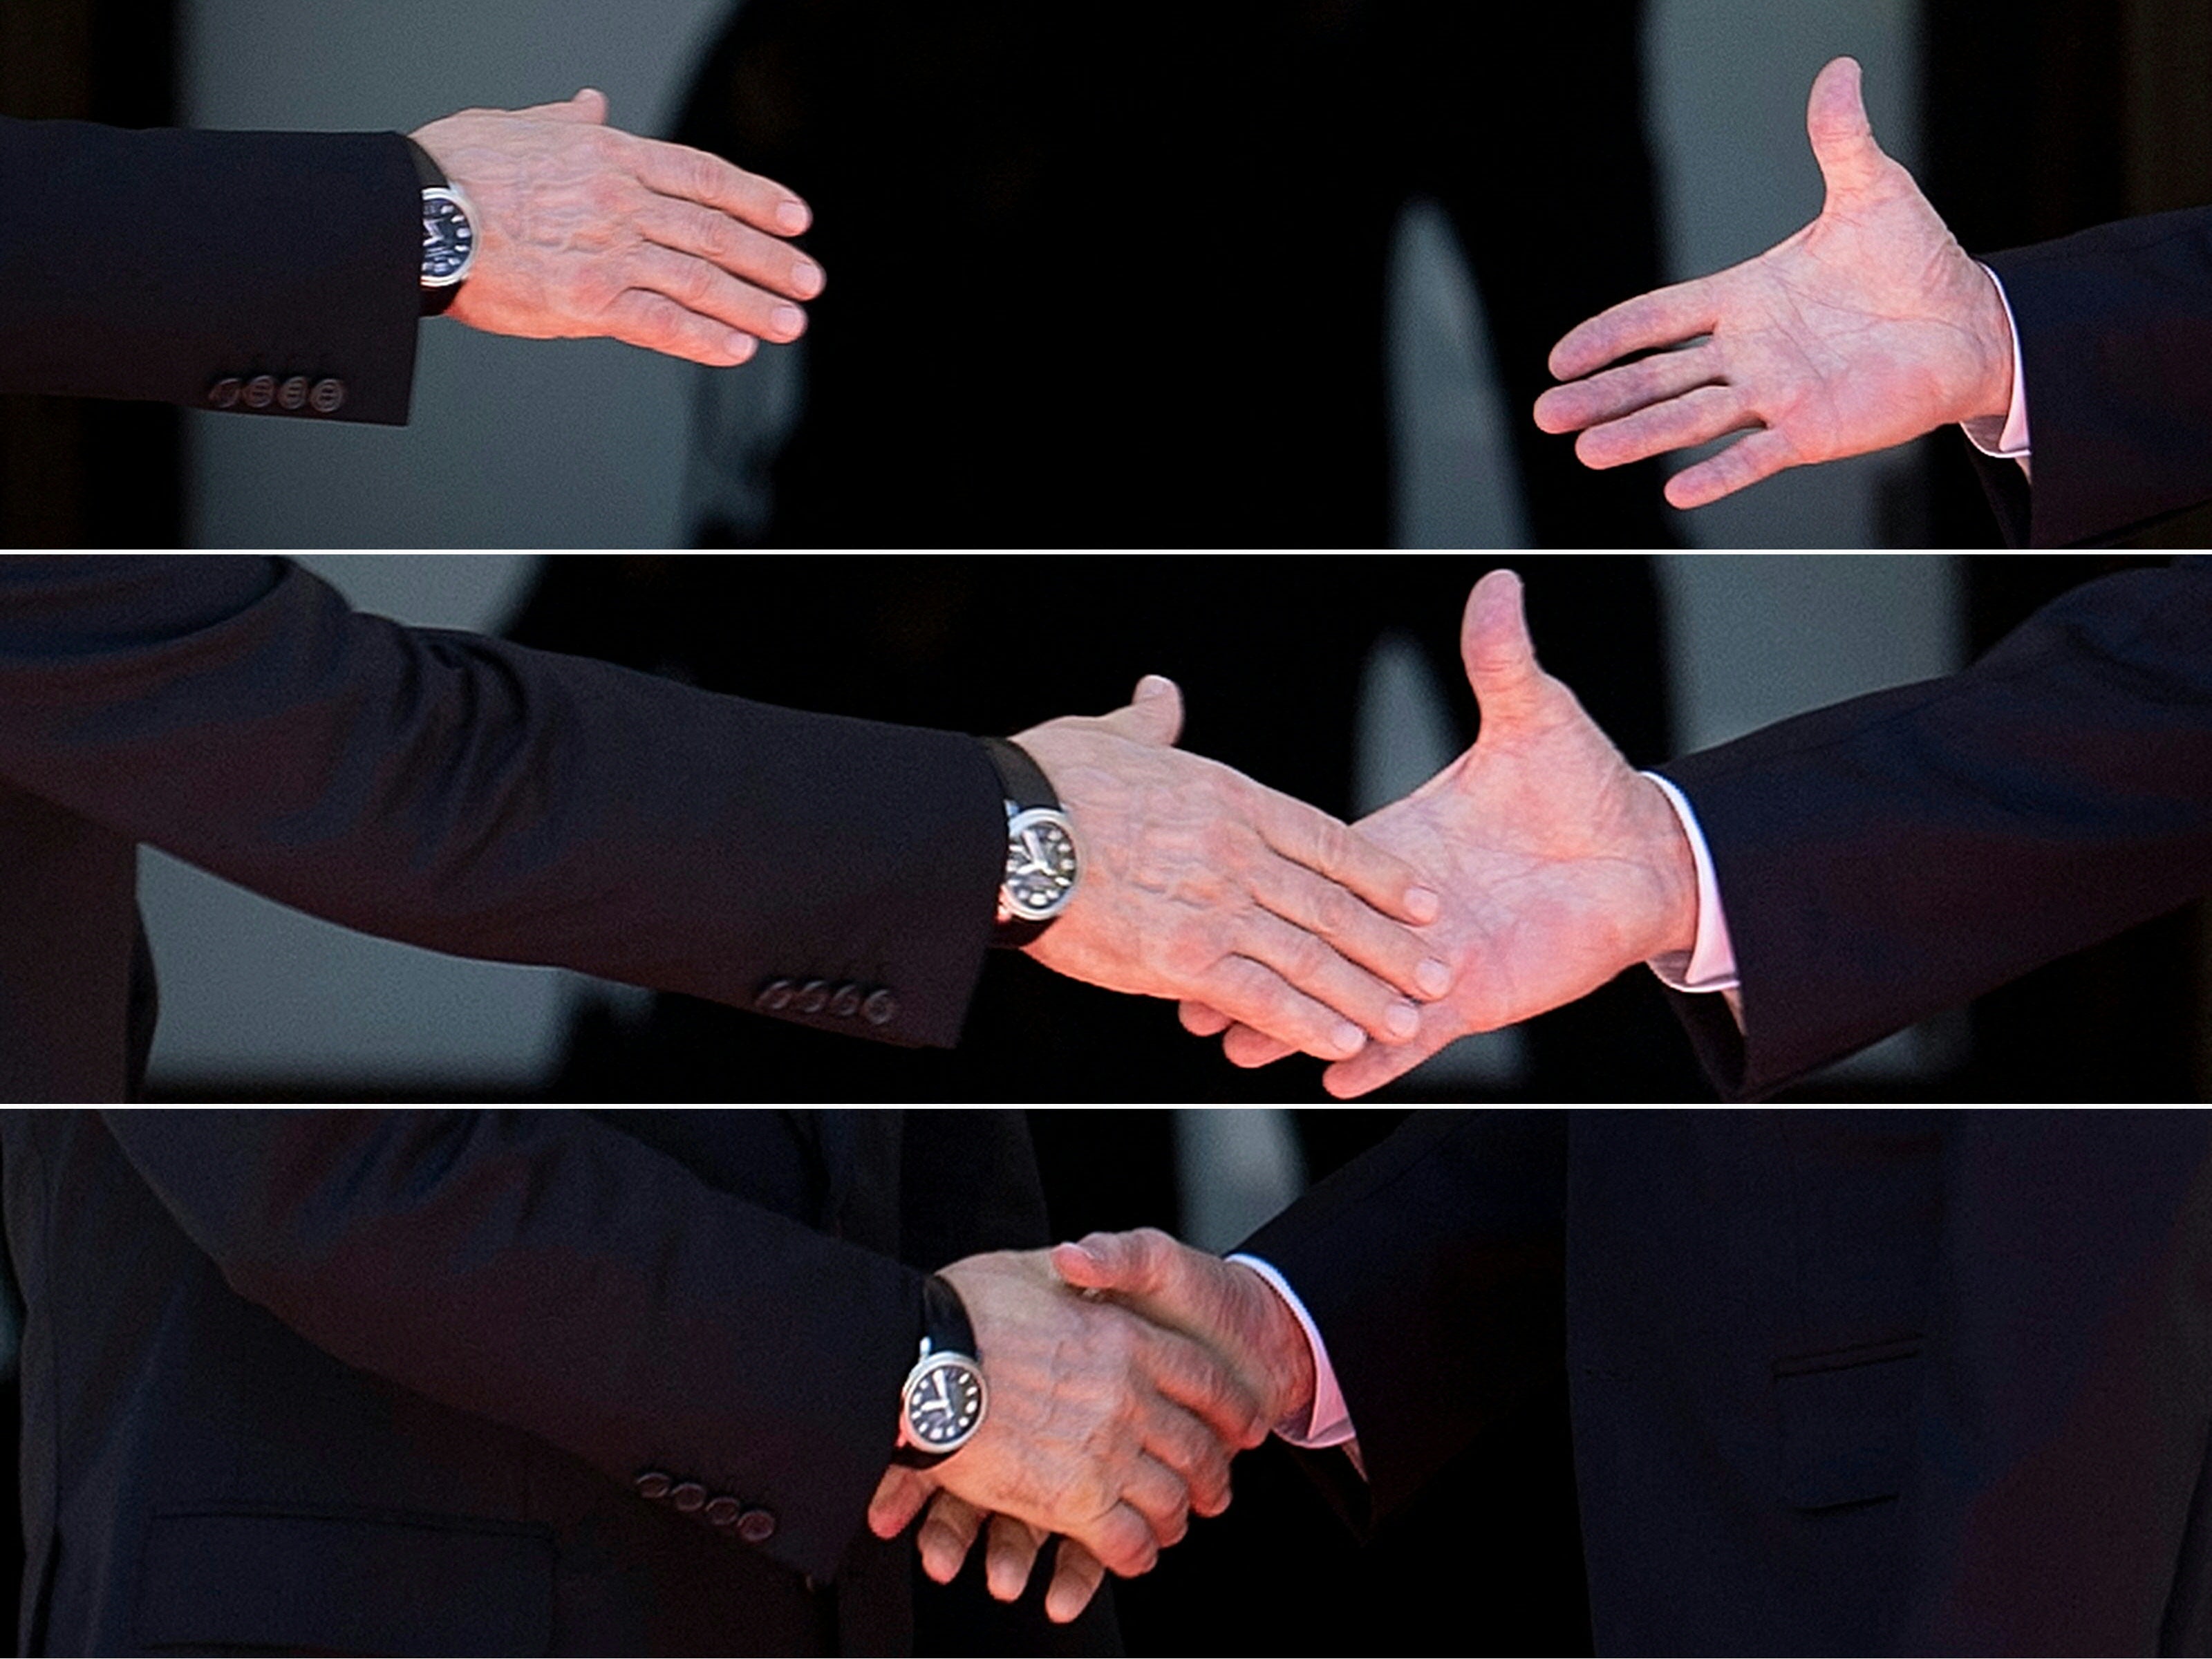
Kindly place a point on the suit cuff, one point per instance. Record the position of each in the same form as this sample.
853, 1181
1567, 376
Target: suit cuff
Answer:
2007, 442
1329, 1423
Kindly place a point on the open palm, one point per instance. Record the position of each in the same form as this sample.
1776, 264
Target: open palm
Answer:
1867, 328
1558, 864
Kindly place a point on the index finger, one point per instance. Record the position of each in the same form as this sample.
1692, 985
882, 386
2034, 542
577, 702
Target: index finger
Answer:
1308, 836
1188, 1374
1668, 317
694, 175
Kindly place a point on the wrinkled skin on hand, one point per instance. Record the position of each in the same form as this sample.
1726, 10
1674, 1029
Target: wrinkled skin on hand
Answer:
1866, 329
1560, 865
583, 230
1197, 882
1100, 1426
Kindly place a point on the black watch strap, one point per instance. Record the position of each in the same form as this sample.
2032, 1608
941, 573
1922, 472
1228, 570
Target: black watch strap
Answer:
432, 177
1021, 780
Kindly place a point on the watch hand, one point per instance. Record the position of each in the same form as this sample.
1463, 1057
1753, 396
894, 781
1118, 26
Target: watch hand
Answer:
943, 1400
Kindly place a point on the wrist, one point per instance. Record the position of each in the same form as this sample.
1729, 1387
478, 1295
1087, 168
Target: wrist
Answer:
1664, 852
1288, 1378
1992, 329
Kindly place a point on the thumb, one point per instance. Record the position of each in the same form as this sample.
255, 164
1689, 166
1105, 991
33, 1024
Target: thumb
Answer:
1843, 137
1126, 1262
1494, 644
588, 108
1154, 714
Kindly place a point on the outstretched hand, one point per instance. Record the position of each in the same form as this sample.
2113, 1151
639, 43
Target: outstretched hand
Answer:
584, 230
1867, 328
1197, 882
1560, 865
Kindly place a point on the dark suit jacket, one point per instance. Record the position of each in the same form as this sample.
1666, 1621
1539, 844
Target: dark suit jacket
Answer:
392, 1382
2115, 337
1891, 856
164, 264
1841, 1381
456, 793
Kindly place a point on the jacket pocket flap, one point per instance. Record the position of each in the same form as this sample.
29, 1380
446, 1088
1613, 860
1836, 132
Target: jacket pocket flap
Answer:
1846, 1425
346, 1584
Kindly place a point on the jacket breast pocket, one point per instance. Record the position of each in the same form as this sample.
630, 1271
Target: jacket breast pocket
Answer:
1845, 1421
345, 1582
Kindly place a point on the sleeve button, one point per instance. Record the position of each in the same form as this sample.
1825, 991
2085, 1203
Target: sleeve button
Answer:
776, 996
880, 1009
293, 394
653, 1485
688, 1498
224, 393
724, 1511
328, 397
813, 997
847, 1001
756, 1526
261, 391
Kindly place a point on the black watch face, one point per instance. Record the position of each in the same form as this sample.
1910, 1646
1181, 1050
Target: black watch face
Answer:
944, 1402
448, 239
1040, 865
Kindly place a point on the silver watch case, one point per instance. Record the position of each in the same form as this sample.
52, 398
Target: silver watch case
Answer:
944, 1402
1042, 866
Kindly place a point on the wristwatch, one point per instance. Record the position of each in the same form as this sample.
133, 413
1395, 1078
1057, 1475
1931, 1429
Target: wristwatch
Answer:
1041, 862
945, 1399
449, 233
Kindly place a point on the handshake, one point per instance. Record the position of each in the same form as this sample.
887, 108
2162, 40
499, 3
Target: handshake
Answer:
1531, 871
1101, 1388
1123, 1373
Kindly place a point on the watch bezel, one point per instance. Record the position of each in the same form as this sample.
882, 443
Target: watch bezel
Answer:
1016, 909
943, 1359
448, 193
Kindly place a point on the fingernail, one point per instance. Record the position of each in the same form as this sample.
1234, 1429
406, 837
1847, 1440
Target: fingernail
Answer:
1401, 1020
1350, 1039
742, 346
792, 217
1154, 685
1423, 904
1433, 978
788, 319
807, 278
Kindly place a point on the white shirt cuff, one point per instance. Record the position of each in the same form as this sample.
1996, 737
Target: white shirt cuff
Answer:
1329, 1422
1710, 963
2008, 442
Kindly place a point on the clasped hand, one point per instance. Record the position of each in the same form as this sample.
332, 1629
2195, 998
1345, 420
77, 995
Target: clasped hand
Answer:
1125, 1372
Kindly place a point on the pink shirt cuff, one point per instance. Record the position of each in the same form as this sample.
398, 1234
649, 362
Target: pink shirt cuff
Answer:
1329, 1422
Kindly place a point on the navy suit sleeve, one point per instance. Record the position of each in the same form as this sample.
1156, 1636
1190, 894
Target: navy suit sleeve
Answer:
543, 1271
2116, 342
1434, 1267
1898, 854
159, 264
489, 800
